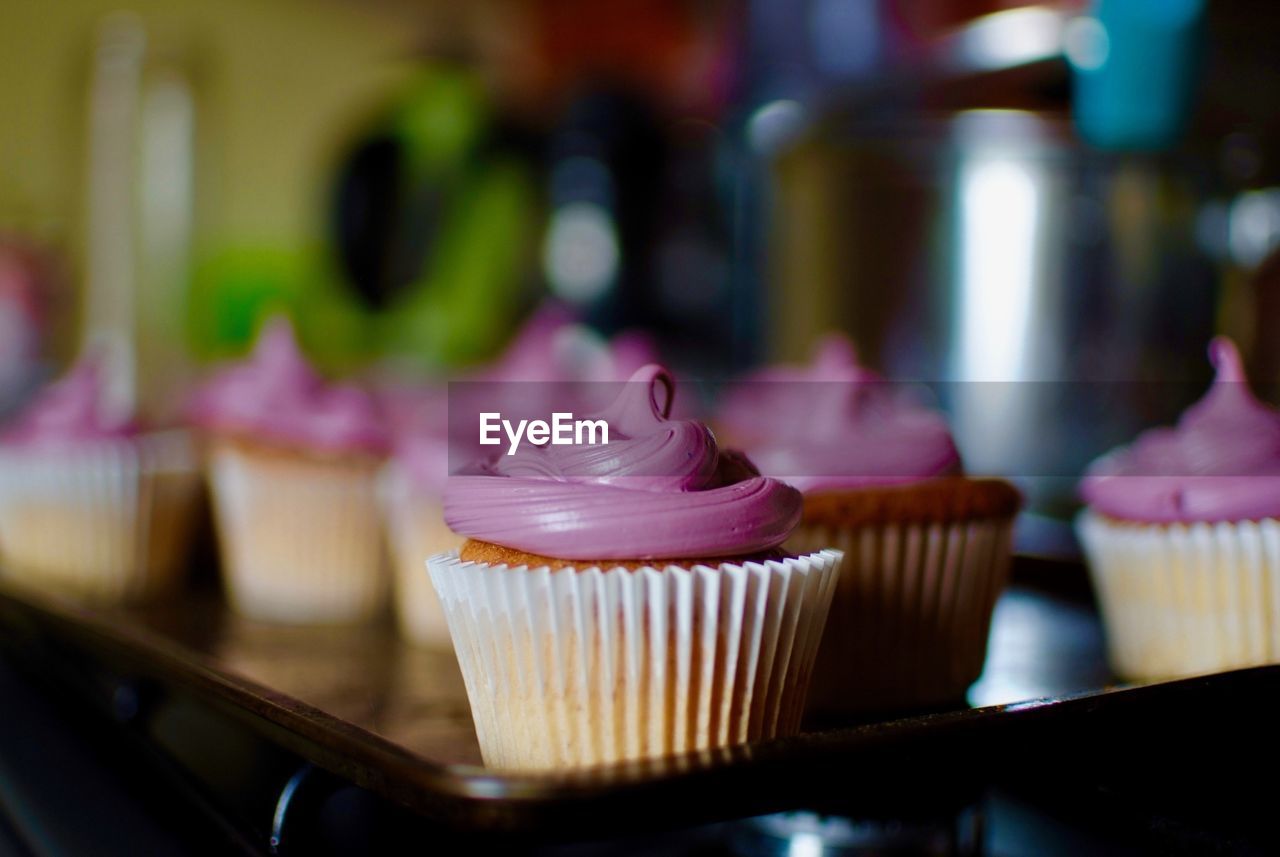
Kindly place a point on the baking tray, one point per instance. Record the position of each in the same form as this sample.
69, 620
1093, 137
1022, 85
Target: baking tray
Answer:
208, 690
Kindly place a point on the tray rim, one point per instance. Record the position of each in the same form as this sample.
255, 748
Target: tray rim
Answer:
432, 788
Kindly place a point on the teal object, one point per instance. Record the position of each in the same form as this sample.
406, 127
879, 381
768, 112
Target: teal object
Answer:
1135, 66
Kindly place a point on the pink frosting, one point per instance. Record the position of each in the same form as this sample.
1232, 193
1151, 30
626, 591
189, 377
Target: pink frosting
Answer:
834, 425
71, 410
1220, 463
552, 364
418, 418
630, 351
551, 346
277, 396
424, 459
659, 488
531, 354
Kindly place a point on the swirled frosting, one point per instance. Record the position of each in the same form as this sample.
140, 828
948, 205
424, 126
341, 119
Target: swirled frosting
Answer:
660, 488
71, 410
277, 396
552, 347
1220, 463
424, 458
552, 364
834, 425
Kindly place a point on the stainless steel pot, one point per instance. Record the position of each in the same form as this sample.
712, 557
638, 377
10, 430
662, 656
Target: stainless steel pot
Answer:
1056, 297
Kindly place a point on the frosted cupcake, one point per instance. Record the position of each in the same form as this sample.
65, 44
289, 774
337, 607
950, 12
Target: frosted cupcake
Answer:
91, 505
927, 548
1182, 533
552, 364
292, 464
629, 600
412, 493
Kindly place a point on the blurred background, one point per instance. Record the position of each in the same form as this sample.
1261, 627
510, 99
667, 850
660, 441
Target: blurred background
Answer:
1015, 201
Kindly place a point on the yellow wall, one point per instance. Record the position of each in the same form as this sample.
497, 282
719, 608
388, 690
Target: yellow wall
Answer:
278, 83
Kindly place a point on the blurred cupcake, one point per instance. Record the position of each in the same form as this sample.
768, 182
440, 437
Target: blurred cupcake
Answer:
412, 490
552, 364
926, 548
628, 600
91, 505
292, 464
1182, 534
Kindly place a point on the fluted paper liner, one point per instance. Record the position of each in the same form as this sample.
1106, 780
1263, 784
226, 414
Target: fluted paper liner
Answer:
106, 521
586, 666
415, 530
1185, 599
911, 612
301, 538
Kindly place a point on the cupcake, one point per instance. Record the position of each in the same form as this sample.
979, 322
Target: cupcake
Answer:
1182, 535
627, 600
90, 504
552, 364
292, 463
412, 490
926, 548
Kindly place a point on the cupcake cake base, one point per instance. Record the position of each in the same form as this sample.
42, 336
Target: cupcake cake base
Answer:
1185, 599
300, 534
107, 521
474, 550
582, 664
923, 567
415, 531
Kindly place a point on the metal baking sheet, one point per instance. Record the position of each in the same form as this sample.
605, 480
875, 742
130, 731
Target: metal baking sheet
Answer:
393, 718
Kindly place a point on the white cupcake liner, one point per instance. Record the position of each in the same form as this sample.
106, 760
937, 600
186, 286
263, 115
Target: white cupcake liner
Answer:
587, 666
106, 521
1185, 599
415, 530
301, 538
911, 612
